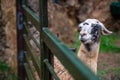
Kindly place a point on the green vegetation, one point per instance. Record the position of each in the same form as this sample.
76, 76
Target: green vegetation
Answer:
108, 43
3, 67
5, 72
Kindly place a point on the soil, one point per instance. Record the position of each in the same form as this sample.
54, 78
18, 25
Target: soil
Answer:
109, 64
117, 43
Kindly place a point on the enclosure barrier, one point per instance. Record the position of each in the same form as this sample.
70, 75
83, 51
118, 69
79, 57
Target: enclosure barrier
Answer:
49, 46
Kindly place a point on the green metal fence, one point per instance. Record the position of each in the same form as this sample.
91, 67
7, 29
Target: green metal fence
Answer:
49, 46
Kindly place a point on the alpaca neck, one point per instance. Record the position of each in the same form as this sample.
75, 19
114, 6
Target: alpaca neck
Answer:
89, 51
89, 55
90, 48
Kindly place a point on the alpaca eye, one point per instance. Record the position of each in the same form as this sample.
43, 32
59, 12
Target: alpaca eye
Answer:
80, 28
97, 22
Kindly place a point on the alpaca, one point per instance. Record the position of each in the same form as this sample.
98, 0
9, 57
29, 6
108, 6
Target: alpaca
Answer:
90, 33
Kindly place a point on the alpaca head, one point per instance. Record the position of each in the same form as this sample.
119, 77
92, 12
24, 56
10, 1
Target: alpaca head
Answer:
91, 30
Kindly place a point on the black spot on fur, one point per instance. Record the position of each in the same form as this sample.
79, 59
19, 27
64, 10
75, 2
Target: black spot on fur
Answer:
88, 47
85, 23
96, 32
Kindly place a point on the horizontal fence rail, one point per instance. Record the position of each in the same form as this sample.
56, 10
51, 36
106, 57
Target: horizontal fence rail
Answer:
32, 55
31, 16
31, 36
51, 69
67, 57
49, 46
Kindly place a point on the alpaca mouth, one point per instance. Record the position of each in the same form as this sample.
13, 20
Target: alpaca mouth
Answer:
86, 41
82, 40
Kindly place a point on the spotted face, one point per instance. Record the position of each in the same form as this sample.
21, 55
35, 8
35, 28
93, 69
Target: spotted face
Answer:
91, 30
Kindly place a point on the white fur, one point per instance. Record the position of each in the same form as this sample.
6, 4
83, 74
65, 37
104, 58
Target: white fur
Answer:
90, 57
86, 29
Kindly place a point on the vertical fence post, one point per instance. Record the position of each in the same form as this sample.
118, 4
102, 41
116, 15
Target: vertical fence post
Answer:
45, 52
20, 41
0, 15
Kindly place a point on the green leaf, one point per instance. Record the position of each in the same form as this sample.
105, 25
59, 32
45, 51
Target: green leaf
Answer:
4, 67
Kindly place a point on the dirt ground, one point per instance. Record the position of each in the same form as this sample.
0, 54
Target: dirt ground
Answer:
109, 66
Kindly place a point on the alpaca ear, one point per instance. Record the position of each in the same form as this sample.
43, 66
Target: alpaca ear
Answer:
104, 30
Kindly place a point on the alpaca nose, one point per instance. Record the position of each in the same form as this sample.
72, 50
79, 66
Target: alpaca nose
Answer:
82, 34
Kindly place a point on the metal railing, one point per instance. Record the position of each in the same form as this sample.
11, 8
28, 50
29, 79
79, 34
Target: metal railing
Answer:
49, 46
